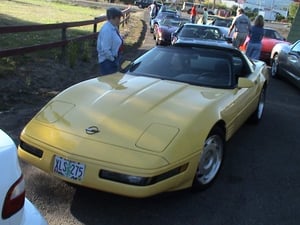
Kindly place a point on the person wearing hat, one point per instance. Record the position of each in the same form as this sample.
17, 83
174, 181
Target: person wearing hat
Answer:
110, 42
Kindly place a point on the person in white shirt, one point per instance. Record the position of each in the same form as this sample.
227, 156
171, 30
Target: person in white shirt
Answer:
204, 16
110, 42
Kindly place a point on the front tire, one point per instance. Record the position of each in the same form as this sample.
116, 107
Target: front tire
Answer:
258, 114
274, 67
211, 160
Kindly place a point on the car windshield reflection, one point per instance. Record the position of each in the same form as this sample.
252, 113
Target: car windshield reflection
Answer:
197, 66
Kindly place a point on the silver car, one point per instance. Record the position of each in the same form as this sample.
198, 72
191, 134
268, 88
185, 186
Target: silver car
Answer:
285, 62
15, 208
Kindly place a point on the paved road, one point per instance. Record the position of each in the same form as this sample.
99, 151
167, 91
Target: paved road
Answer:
259, 183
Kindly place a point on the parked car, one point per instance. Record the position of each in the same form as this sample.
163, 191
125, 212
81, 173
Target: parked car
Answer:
210, 19
285, 62
163, 13
16, 209
191, 32
270, 39
222, 21
160, 125
143, 3
164, 28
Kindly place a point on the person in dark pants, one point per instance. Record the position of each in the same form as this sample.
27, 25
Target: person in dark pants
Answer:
110, 42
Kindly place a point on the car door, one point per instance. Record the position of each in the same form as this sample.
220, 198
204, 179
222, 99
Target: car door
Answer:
243, 99
293, 62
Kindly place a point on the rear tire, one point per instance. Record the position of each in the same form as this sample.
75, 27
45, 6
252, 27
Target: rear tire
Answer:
210, 160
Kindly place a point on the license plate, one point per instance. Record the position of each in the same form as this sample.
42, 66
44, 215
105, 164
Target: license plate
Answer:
67, 168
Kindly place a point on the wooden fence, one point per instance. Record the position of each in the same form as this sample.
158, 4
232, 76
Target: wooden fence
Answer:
63, 26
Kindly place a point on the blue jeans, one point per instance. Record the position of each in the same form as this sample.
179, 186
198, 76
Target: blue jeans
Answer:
108, 67
253, 50
193, 19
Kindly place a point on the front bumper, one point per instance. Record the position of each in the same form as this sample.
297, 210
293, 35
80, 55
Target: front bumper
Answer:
105, 176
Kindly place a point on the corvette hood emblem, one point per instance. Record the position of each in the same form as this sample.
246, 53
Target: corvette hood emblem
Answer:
92, 130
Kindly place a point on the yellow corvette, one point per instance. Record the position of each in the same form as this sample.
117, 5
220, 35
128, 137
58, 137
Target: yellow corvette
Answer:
160, 125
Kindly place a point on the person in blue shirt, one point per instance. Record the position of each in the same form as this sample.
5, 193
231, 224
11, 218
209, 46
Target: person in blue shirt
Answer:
256, 34
110, 42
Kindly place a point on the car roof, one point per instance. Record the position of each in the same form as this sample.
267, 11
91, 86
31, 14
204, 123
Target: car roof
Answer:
223, 18
206, 25
269, 28
209, 44
199, 25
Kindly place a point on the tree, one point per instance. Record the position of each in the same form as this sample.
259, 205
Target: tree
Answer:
293, 9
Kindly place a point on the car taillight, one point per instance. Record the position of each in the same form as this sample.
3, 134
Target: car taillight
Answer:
14, 200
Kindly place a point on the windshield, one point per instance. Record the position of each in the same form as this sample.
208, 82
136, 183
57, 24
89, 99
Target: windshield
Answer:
223, 22
174, 22
268, 33
201, 32
198, 66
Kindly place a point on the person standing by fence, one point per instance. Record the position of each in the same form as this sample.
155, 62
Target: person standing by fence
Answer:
256, 34
110, 42
241, 25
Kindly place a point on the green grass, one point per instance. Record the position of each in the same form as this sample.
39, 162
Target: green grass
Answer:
46, 12
28, 12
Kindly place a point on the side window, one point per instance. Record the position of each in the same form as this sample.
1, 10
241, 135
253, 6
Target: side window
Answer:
237, 66
296, 48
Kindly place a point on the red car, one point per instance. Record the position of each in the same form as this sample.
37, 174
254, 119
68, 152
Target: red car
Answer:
270, 39
163, 29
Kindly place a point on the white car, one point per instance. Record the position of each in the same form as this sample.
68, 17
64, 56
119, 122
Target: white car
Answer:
15, 208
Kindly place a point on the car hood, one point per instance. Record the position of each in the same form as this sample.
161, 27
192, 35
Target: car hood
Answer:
269, 43
169, 28
128, 111
195, 40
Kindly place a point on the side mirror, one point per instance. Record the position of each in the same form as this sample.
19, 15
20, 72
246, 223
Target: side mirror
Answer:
124, 66
245, 83
228, 39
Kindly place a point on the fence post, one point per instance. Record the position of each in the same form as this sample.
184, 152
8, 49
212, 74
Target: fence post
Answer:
95, 25
63, 38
